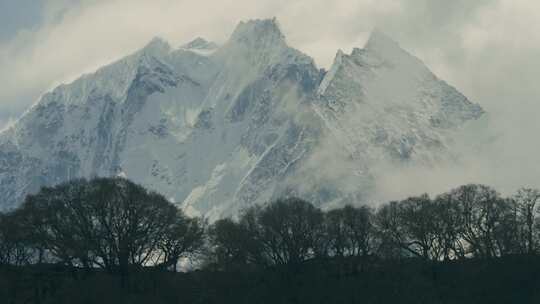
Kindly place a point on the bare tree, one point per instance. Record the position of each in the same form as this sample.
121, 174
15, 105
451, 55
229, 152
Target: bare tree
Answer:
390, 231
451, 224
487, 220
58, 218
350, 231
233, 245
184, 237
15, 246
421, 227
527, 200
287, 229
110, 223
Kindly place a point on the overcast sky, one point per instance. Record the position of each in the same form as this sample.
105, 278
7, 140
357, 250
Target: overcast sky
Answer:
488, 49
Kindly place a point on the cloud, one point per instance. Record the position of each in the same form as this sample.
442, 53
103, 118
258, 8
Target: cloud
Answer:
488, 49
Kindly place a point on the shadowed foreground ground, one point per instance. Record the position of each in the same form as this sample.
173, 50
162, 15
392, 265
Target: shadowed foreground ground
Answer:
513, 279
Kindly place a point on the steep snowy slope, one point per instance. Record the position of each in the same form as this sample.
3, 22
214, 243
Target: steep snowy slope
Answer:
382, 107
218, 128
381, 97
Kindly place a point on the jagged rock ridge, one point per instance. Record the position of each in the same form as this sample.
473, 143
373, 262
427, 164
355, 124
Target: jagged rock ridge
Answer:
217, 128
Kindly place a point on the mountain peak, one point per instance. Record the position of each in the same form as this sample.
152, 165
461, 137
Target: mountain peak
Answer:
378, 41
381, 47
157, 45
256, 30
200, 44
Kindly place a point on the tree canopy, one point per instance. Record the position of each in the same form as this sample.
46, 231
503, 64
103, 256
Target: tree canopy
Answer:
109, 223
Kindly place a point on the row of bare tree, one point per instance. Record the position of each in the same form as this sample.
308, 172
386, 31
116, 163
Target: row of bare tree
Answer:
470, 221
116, 225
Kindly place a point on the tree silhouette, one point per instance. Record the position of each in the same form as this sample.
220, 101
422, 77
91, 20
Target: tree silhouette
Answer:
109, 223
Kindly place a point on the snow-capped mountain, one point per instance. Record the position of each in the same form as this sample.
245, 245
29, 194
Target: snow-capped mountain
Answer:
217, 128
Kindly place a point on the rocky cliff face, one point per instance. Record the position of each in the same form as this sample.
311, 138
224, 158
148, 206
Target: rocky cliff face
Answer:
219, 128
